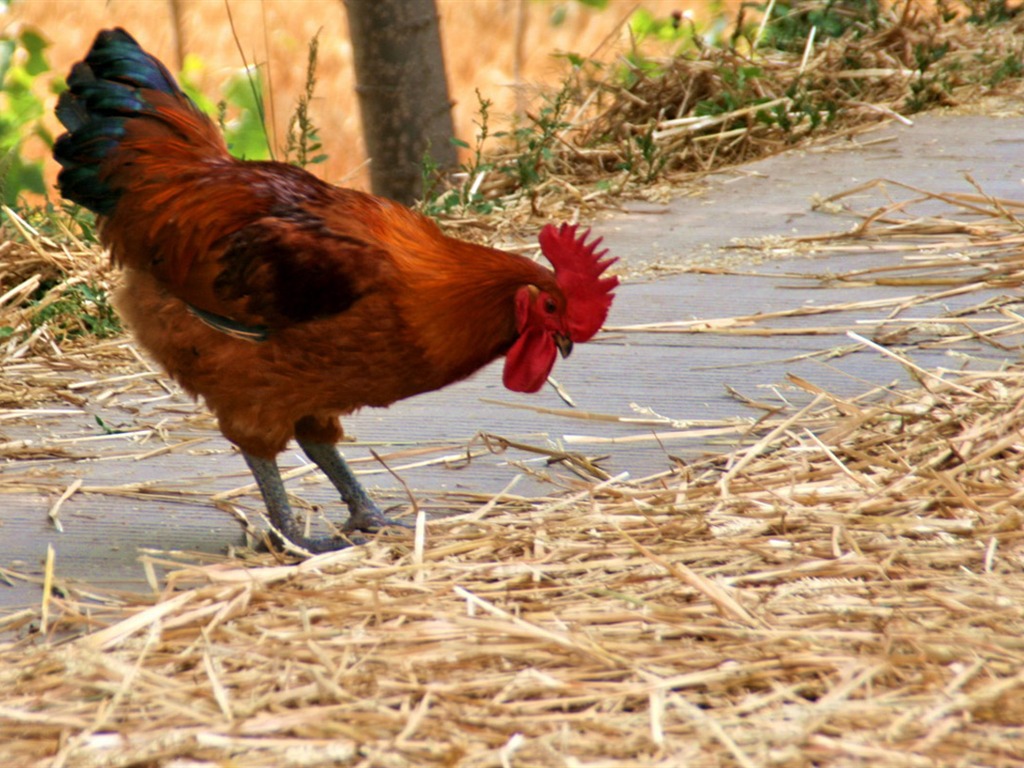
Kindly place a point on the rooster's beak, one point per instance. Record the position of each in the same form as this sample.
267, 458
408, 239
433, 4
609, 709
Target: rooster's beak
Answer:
564, 344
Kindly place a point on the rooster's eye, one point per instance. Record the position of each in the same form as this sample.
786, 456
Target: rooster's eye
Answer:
549, 306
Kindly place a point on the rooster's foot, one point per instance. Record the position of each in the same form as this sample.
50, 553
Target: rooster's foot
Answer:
371, 520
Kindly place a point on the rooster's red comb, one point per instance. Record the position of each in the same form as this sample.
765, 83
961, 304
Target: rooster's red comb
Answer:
578, 271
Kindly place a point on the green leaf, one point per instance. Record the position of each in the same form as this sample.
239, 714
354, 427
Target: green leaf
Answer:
575, 59
190, 70
35, 46
6, 55
18, 176
641, 23
245, 133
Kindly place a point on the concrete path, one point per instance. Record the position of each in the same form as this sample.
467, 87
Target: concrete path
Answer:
679, 376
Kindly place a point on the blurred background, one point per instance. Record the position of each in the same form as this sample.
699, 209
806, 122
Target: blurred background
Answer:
505, 49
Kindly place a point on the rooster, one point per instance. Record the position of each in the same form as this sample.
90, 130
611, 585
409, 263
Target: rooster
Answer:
285, 302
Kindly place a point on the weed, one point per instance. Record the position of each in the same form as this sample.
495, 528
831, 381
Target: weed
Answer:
533, 144
1008, 68
79, 309
304, 143
740, 90
528, 160
791, 22
644, 161
465, 195
239, 112
674, 28
432, 182
931, 84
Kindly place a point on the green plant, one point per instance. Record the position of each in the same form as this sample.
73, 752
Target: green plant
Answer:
1009, 67
791, 22
304, 145
931, 84
528, 160
22, 60
59, 221
436, 199
534, 144
560, 11
644, 159
740, 90
242, 116
79, 309
239, 113
674, 28
676, 32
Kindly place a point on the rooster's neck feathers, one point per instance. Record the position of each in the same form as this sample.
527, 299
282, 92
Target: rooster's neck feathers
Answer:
258, 274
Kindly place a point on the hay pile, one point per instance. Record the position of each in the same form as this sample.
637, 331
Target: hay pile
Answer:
847, 590
49, 283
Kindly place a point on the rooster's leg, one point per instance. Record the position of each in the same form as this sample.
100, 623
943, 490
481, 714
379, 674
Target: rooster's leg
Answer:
364, 514
268, 478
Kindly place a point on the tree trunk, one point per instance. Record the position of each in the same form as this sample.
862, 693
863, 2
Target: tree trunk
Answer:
403, 91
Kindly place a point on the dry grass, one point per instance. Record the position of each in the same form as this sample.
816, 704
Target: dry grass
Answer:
847, 591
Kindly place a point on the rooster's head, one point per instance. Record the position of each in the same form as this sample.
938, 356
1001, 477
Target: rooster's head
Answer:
552, 321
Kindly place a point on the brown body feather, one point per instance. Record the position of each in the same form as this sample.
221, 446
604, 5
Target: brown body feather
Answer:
285, 302
365, 302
